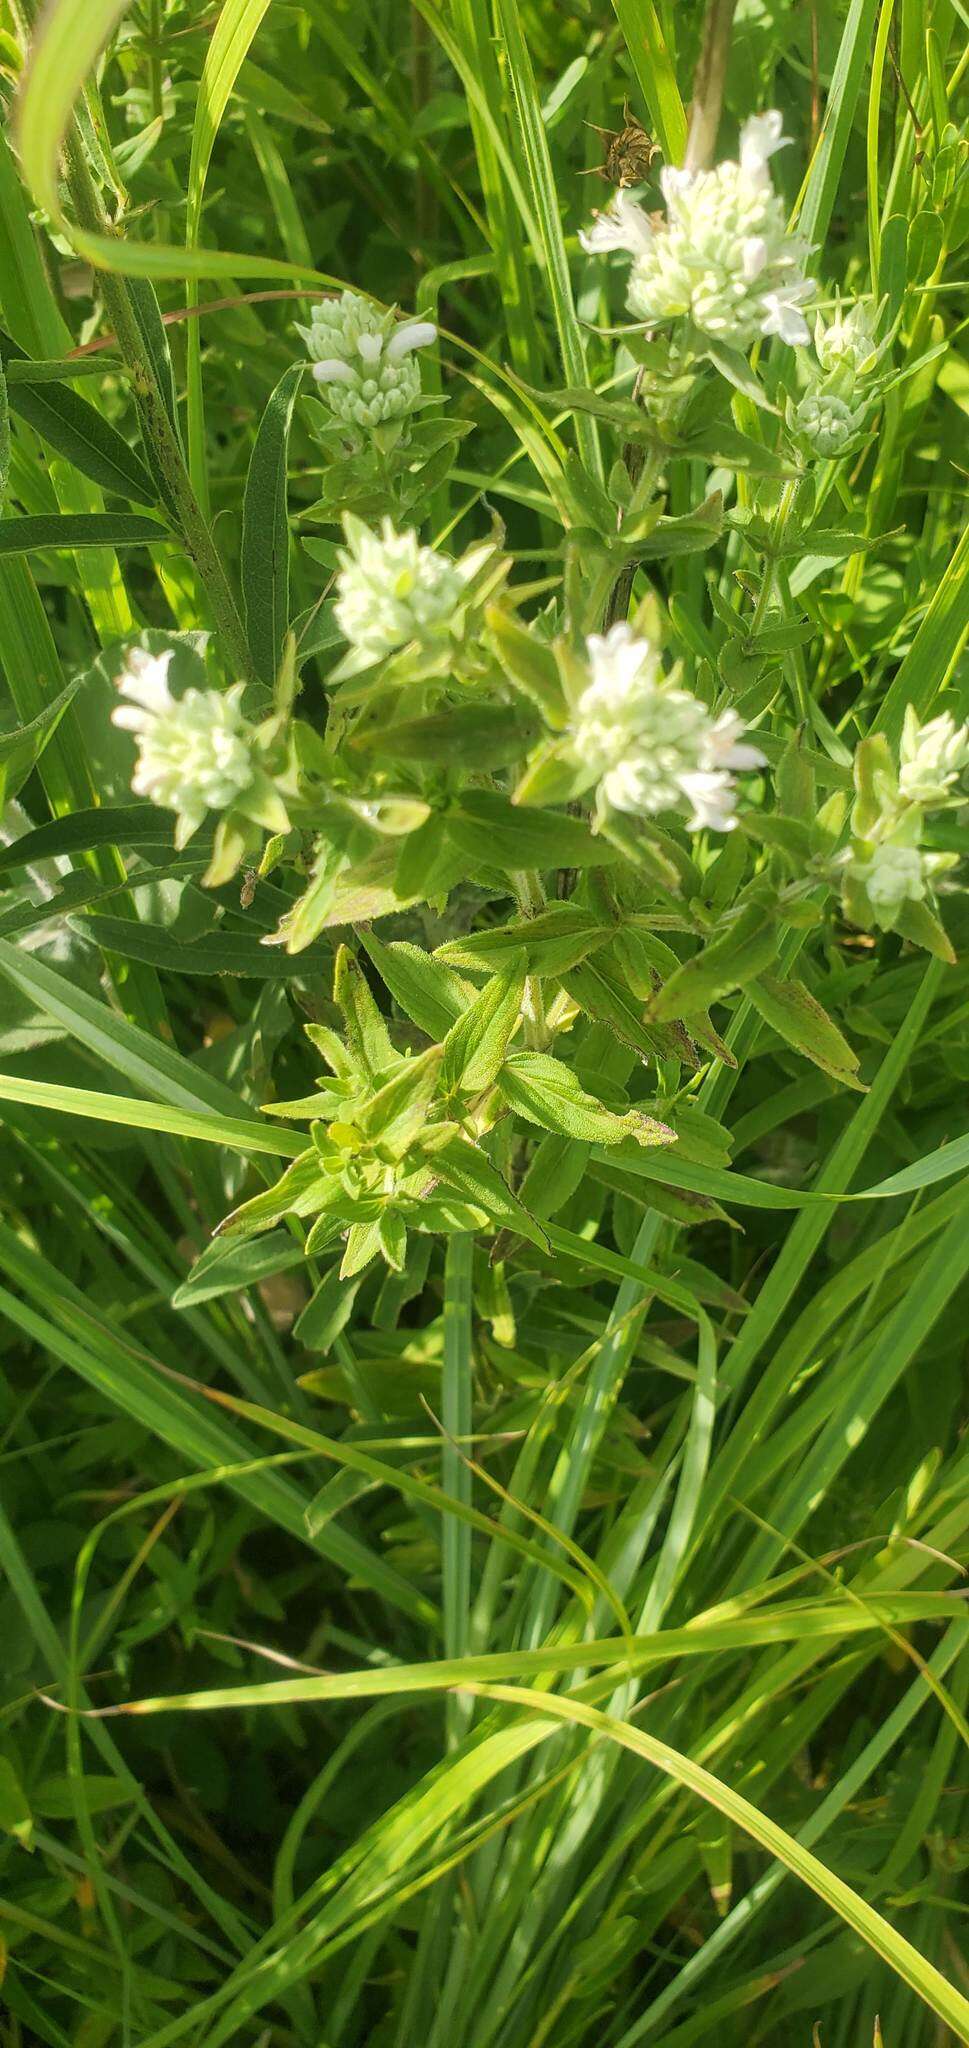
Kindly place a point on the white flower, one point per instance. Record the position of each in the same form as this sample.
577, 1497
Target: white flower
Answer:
848, 342
723, 258
827, 422
390, 590
649, 746
363, 361
193, 751
890, 876
760, 137
623, 225
931, 757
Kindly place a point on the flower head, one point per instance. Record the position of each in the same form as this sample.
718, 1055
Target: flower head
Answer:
931, 758
390, 591
652, 747
723, 257
827, 422
848, 342
363, 361
194, 751
891, 875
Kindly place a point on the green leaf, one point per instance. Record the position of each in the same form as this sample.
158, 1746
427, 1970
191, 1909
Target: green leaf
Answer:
4, 439
55, 1797
31, 534
847, 79
299, 1191
21, 749
535, 150
130, 1113
364, 1242
747, 946
934, 648
213, 952
550, 943
474, 735
398, 1110
489, 829
427, 991
641, 24
791, 1010
737, 371
221, 1269
528, 662
476, 1045
135, 825
366, 1031
265, 529
465, 1169
546, 1092
392, 1235
76, 429
600, 991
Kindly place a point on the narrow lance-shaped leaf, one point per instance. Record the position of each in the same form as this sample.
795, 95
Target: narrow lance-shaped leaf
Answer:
265, 529
743, 950
365, 1028
791, 1010
77, 430
35, 532
468, 1171
427, 991
475, 1046
545, 1091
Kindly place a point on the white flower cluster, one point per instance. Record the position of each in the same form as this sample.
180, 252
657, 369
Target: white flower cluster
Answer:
391, 591
394, 594
892, 875
194, 751
363, 360
723, 258
932, 758
887, 866
652, 747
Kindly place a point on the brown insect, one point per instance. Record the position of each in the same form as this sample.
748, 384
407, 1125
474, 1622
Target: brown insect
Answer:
629, 151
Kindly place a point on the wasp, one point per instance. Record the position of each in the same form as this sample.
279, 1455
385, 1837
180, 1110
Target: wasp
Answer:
629, 151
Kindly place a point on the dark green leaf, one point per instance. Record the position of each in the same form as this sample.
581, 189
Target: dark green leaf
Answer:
490, 829
77, 430
31, 534
265, 529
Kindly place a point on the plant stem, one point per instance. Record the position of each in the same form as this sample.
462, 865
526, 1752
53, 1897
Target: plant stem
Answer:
778, 531
708, 84
159, 430
155, 56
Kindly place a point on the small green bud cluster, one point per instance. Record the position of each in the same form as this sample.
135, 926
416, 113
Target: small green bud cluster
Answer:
832, 413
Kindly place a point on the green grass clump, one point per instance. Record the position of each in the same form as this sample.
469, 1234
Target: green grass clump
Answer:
484, 1237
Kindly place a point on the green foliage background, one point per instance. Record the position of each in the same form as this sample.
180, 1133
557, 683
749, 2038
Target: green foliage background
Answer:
568, 1647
